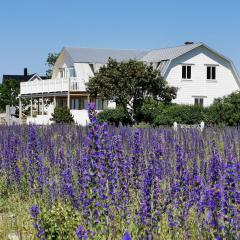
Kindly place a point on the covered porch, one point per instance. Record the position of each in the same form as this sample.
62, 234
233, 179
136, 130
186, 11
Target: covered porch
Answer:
42, 106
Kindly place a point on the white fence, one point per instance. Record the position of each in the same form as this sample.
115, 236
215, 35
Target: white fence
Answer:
184, 126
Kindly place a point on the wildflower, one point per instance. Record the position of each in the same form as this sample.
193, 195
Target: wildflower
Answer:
126, 236
81, 233
36, 168
35, 211
145, 208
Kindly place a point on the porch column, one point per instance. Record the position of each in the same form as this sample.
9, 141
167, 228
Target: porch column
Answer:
68, 100
31, 109
42, 106
88, 98
20, 110
68, 96
54, 101
38, 106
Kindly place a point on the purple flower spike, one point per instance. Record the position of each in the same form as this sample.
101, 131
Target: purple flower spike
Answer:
126, 236
81, 233
35, 211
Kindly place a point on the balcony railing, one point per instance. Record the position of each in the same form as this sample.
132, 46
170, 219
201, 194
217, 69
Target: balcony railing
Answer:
52, 85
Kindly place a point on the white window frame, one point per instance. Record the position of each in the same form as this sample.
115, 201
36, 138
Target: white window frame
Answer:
187, 66
211, 79
199, 98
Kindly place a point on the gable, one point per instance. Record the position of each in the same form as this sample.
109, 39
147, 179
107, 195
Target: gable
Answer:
64, 60
203, 55
35, 77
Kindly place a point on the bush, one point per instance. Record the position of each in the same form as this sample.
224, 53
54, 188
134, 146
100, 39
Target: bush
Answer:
59, 222
114, 116
62, 115
225, 110
150, 110
184, 114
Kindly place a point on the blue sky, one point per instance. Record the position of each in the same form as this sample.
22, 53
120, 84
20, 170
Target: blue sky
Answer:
29, 29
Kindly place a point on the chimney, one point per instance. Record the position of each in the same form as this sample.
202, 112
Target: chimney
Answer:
188, 43
25, 72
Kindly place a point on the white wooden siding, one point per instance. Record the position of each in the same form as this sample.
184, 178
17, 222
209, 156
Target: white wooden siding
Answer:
224, 84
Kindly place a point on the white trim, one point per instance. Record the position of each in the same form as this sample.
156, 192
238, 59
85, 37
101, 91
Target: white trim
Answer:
35, 76
199, 96
211, 65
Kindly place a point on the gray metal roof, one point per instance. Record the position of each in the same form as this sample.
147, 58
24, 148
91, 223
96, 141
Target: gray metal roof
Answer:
94, 55
162, 57
168, 53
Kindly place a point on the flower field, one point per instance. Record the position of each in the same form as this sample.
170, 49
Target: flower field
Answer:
100, 182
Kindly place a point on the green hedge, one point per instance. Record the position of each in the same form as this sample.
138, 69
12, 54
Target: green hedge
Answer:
114, 116
184, 114
224, 111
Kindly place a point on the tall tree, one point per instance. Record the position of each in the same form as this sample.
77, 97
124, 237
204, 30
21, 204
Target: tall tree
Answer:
9, 91
129, 83
51, 59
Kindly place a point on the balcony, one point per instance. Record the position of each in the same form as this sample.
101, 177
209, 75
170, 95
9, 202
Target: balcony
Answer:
52, 85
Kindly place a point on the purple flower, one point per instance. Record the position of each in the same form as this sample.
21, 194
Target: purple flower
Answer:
35, 211
126, 236
81, 233
145, 207
35, 165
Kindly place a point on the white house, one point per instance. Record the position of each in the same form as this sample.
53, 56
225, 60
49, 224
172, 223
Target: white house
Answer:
200, 73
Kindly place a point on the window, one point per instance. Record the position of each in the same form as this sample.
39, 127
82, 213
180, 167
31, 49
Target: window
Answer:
72, 72
211, 72
75, 103
92, 67
99, 104
61, 72
198, 101
186, 72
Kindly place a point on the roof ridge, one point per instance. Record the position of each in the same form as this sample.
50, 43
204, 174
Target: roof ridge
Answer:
183, 45
114, 49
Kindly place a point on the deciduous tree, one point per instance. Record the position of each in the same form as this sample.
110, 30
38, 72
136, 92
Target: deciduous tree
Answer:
129, 83
51, 59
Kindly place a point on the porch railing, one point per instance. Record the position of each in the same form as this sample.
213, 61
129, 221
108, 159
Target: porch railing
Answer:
52, 85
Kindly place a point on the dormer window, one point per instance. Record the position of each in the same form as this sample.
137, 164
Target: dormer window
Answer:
186, 72
92, 68
211, 72
61, 73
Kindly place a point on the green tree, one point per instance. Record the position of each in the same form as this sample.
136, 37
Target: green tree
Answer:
62, 115
51, 59
9, 91
129, 83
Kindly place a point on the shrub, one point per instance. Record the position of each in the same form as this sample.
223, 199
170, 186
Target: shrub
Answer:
114, 116
225, 110
62, 115
184, 114
150, 110
59, 222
